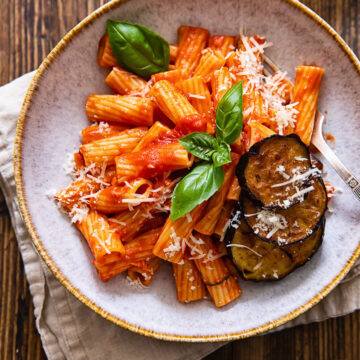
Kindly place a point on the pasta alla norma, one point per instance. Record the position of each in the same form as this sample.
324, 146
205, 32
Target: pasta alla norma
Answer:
131, 160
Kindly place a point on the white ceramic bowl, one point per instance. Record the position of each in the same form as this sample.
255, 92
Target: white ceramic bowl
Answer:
53, 115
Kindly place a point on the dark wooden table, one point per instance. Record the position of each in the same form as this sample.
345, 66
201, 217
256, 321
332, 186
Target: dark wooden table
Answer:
29, 29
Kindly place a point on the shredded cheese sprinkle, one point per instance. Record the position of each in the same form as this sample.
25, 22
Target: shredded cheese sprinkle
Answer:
245, 247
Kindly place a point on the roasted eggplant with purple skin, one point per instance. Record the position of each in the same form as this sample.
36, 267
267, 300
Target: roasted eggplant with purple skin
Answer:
275, 170
259, 260
287, 226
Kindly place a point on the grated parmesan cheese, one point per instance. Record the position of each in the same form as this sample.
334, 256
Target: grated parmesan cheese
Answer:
301, 193
257, 266
122, 223
103, 125
78, 213
175, 246
50, 194
210, 256
285, 116
245, 247
98, 180
97, 237
281, 169
196, 96
235, 221
299, 177
138, 201
128, 184
250, 66
269, 222
136, 213
69, 165
135, 283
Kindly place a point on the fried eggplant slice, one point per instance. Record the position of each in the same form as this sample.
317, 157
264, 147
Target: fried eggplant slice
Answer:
258, 260
287, 226
302, 251
275, 170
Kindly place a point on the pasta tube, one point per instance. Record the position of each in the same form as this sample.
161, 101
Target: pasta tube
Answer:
124, 83
170, 245
223, 44
105, 55
113, 199
199, 96
220, 83
125, 109
102, 241
192, 41
189, 286
209, 62
153, 160
306, 92
106, 150
102, 131
171, 102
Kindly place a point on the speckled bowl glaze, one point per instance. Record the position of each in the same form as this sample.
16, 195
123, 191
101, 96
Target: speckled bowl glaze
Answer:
54, 113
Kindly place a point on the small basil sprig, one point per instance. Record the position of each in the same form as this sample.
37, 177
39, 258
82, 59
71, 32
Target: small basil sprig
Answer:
206, 178
200, 183
137, 48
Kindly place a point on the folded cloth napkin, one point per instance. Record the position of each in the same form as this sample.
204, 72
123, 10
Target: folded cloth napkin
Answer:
69, 329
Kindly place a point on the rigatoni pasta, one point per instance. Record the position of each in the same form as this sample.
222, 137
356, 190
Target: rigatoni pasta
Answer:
107, 149
221, 82
209, 62
114, 198
105, 55
125, 83
129, 110
189, 286
101, 130
171, 244
199, 96
223, 44
171, 102
306, 92
134, 156
154, 160
192, 41
102, 240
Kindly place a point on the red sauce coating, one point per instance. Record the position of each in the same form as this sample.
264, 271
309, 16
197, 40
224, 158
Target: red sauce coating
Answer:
330, 137
186, 125
155, 159
191, 123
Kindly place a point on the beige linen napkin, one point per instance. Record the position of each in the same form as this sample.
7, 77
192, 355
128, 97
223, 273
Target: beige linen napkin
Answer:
70, 330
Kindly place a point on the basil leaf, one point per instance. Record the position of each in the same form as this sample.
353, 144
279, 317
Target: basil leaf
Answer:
222, 155
137, 48
229, 115
200, 144
197, 186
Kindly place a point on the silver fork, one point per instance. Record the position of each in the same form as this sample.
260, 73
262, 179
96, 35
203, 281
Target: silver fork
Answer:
318, 140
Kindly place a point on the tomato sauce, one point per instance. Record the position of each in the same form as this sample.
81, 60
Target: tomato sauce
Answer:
186, 125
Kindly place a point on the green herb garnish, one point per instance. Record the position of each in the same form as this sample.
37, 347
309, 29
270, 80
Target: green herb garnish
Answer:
207, 177
137, 48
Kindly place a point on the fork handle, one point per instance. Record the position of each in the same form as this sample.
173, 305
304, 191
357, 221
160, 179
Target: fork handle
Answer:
339, 167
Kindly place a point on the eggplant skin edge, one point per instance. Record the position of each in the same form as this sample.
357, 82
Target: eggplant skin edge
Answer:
230, 232
315, 228
254, 150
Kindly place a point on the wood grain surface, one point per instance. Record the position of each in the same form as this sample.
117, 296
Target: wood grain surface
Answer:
29, 29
